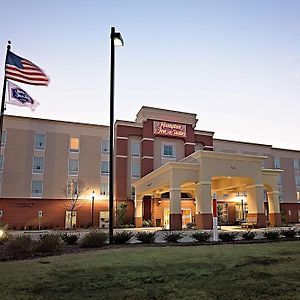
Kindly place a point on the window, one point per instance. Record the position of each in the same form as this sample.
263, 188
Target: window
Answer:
36, 188
168, 150
104, 167
298, 196
3, 138
40, 141
198, 147
1, 162
38, 165
72, 188
135, 149
105, 147
279, 179
262, 164
135, 170
104, 189
297, 178
296, 164
277, 163
74, 144
73, 166
132, 192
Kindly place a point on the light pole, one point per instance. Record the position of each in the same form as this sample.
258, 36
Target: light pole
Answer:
115, 40
93, 202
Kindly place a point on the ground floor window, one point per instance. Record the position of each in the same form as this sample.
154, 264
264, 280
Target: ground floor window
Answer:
70, 221
104, 219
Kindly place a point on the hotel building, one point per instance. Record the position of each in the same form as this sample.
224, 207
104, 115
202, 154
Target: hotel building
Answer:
166, 171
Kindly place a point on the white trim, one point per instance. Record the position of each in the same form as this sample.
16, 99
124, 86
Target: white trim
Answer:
122, 138
147, 139
149, 157
121, 156
188, 143
255, 186
274, 192
210, 147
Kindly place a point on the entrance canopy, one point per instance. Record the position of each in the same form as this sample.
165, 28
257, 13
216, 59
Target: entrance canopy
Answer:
206, 172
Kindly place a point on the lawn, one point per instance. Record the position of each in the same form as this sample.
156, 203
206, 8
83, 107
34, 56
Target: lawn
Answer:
253, 271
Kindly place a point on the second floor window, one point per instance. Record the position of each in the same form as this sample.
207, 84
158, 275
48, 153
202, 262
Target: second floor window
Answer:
38, 165
3, 138
135, 149
277, 163
104, 167
135, 170
36, 188
1, 162
105, 147
296, 164
40, 141
104, 189
168, 151
74, 144
73, 166
297, 178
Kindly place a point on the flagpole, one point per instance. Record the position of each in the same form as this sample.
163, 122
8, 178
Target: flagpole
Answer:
3, 93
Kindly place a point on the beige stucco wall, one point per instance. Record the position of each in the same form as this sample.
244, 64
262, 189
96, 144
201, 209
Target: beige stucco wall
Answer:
19, 152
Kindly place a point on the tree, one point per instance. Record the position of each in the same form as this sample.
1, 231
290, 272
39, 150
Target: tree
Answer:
121, 213
72, 192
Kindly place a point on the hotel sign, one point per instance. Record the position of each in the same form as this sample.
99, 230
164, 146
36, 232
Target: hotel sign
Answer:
169, 129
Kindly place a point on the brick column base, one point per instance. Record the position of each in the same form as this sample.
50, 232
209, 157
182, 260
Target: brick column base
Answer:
261, 219
275, 219
204, 221
138, 222
175, 221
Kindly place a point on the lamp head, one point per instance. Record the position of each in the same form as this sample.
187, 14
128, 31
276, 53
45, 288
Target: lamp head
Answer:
93, 194
118, 40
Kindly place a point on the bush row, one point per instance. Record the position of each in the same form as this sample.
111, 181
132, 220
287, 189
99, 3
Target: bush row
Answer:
55, 243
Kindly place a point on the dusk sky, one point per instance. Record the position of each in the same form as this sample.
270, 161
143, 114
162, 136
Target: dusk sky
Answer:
234, 63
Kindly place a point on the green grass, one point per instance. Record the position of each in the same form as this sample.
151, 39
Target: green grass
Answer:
256, 271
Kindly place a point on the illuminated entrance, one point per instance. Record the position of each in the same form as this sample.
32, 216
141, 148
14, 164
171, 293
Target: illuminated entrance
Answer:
239, 182
186, 217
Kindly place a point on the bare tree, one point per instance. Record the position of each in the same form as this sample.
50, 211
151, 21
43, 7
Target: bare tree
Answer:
72, 192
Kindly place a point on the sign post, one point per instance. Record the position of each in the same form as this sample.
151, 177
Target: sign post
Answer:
40, 215
215, 218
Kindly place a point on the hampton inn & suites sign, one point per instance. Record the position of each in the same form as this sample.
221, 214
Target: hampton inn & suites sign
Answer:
169, 129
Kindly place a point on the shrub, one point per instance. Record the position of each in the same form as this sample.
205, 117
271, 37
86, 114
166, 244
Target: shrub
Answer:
70, 239
201, 236
272, 235
288, 232
20, 244
227, 236
147, 223
49, 242
93, 239
122, 237
146, 237
190, 225
3, 234
248, 235
173, 237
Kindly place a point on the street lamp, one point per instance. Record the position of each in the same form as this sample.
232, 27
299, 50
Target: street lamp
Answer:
115, 41
93, 201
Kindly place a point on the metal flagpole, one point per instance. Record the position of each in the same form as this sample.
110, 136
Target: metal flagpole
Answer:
3, 93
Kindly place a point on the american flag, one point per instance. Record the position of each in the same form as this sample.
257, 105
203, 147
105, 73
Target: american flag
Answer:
23, 70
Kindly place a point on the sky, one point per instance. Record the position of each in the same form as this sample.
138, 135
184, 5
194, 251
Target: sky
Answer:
236, 64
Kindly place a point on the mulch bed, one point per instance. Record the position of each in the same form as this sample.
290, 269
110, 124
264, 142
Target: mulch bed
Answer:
6, 256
